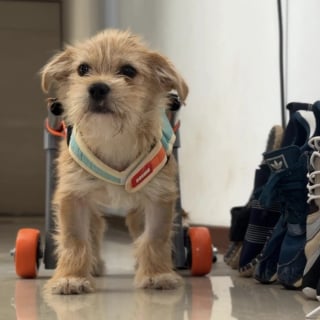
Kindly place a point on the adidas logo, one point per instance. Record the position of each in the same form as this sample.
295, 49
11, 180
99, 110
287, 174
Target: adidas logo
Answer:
277, 163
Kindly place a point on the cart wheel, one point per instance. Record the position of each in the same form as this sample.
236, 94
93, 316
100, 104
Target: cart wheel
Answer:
201, 251
27, 253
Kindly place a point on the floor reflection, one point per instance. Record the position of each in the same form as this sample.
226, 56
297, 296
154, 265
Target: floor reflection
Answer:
26, 300
250, 299
203, 298
116, 299
223, 295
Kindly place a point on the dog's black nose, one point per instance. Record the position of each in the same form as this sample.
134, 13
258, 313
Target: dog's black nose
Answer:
98, 91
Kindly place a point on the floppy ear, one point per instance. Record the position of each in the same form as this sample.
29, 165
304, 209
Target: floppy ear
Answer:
168, 76
57, 69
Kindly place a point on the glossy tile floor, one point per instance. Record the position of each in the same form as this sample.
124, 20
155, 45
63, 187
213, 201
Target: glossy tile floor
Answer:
221, 295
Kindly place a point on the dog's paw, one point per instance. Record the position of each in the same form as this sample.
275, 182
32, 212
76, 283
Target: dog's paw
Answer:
163, 281
69, 285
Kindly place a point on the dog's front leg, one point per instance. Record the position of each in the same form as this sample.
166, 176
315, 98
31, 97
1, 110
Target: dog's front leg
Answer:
97, 228
153, 249
74, 252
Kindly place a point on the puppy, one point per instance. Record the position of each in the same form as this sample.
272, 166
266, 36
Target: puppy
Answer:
115, 92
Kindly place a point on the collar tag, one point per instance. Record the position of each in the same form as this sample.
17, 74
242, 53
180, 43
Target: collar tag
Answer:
147, 169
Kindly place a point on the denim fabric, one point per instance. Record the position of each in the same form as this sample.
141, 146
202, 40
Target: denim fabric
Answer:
266, 269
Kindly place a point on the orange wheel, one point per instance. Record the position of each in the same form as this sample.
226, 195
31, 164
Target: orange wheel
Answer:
201, 251
27, 253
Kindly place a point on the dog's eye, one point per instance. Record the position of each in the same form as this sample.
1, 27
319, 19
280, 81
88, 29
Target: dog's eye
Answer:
83, 69
128, 71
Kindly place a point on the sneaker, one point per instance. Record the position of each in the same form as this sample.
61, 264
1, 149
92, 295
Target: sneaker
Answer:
240, 217
283, 255
245, 248
311, 275
267, 262
297, 133
261, 224
239, 223
292, 259
232, 255
275, 138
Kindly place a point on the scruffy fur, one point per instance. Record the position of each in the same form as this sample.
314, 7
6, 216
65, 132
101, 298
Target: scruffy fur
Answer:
116, 137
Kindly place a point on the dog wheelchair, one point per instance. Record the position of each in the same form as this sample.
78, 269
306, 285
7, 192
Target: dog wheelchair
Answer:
192, 245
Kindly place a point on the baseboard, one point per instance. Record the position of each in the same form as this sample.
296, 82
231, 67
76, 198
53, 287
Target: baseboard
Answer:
219, 234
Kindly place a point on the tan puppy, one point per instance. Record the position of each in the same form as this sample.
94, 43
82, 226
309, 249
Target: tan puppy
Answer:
114, 91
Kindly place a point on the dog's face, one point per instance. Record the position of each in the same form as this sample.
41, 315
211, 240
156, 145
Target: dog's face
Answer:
111, 80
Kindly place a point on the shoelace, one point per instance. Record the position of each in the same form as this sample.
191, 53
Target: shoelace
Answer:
314, 143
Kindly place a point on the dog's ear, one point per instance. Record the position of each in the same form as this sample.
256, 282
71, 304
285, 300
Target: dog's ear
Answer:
168, 76
57, 69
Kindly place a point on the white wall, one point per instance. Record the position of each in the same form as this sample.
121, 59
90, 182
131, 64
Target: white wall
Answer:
82, 19
227, 51
303, 50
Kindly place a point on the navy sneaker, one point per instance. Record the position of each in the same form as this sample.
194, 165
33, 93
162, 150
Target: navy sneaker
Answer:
251, 224
283, 256
261, 224
267, 264
287, 184
292, 259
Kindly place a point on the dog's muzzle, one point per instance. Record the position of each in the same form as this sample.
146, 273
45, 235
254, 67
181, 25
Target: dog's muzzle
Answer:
98, 98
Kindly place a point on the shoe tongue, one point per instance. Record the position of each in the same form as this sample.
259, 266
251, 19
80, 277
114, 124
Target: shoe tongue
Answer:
300, 128
282, 158
316, 111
